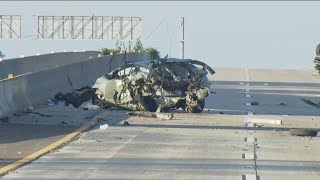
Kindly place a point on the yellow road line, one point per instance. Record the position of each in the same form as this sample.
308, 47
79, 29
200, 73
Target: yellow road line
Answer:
51, 147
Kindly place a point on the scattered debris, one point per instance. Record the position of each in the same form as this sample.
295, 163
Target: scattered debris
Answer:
90, 106
263, 121
221, 113
100, 119
29, 109
77, 97
40, 114
303, 132
17, 114
5, 119
126, 123
166, 116
254, 103
283, 104
63, 122
59, 96
52, 102
160, 115
251, 124
104, 126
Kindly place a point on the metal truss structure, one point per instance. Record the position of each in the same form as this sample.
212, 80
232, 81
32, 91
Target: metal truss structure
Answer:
10, 26
89, 27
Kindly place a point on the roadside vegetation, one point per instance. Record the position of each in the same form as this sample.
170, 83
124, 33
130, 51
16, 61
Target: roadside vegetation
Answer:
138, 47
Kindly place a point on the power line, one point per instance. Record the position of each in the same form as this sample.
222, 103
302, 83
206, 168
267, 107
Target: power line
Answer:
156, 28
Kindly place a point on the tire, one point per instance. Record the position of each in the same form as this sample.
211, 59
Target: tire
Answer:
201, 104
195, 109
303, 132
149, 103
99, 102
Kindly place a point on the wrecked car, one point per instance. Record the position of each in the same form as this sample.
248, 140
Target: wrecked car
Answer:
157, 85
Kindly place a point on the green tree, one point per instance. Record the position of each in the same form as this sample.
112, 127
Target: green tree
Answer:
138, 46
106, 51
153, 51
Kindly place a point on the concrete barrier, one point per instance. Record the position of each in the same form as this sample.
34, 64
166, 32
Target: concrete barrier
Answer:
33, 89
18, 66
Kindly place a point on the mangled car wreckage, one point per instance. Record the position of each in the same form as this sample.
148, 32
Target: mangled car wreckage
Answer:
157, 85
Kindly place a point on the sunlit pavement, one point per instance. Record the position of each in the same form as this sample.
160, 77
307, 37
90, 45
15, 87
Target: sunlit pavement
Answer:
215, 144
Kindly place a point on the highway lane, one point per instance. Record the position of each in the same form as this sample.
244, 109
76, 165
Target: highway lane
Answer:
215, 144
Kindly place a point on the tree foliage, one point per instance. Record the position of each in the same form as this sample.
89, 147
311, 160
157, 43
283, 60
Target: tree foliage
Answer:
138, 46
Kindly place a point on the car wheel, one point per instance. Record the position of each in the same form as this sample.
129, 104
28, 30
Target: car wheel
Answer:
201, 105
99, 102
303, 132
149, 103
195, 109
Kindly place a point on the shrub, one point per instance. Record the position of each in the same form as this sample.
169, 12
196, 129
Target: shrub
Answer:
153, 52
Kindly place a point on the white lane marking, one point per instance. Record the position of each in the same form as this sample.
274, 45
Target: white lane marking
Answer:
249, 177
250, 139
247, 84
248, 104
248, 156
248, 96
241, 83
250, 113
266, 84
247, 89
263, 121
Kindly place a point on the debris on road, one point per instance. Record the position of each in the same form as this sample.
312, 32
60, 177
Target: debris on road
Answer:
160, 115
303, 132
251, 124
254, 103
29, 109
52, 102
5, 119
283, 104
126, 123
90, 106
77, 97
40, 114
263, 121
104, 126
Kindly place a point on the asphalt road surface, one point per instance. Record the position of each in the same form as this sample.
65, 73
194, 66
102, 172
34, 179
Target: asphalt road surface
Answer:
215, 144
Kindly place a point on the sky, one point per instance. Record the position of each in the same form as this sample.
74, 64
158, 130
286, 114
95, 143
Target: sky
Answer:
269, 34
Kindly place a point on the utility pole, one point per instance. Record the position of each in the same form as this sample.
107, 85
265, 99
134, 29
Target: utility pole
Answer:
182, 38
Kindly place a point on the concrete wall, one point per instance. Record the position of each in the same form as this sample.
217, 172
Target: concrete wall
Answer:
33, 89
18, 66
